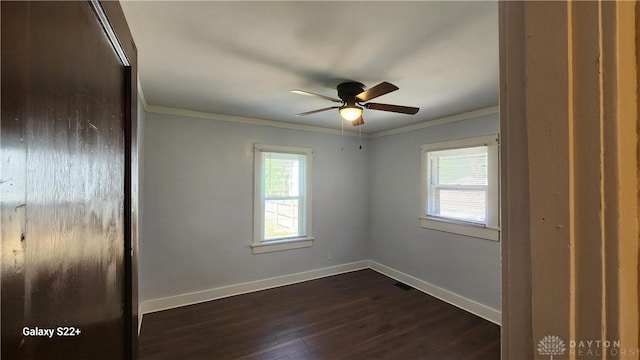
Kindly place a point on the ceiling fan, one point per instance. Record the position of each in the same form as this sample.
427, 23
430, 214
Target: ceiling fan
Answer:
353, 96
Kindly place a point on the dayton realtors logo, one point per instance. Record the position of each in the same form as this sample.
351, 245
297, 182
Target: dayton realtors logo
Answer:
551, 345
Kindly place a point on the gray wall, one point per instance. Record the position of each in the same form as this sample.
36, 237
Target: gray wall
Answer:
198, 209
467, 266
198, 204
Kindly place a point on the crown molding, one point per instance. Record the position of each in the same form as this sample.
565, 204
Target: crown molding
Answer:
247, 120
440, 121
284, 125
143, 99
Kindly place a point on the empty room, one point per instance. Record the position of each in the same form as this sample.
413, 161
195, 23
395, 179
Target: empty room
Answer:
299, 180
240, 194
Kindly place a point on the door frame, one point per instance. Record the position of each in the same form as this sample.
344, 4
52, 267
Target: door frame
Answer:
117, 24
569, 156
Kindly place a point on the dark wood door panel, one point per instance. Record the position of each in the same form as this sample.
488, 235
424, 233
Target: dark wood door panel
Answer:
64, 114
13, 167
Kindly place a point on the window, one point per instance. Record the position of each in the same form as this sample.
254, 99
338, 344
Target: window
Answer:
460, 192
282, 203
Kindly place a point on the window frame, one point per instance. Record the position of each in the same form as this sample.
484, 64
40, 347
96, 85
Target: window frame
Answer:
259, 245
491, 229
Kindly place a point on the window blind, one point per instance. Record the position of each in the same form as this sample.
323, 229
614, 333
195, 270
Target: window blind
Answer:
458, 184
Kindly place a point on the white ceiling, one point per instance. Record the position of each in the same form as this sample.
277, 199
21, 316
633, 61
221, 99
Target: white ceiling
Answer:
242, 58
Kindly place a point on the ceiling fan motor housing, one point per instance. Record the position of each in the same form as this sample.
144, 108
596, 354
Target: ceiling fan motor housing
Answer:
348, 91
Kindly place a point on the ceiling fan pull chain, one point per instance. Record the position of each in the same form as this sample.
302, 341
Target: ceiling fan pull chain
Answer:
341, 134
360, 137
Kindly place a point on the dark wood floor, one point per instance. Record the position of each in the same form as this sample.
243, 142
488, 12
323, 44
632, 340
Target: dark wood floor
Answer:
358, 315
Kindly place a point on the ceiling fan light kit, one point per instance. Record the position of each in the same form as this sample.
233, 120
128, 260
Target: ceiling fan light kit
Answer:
350, 112
353, 96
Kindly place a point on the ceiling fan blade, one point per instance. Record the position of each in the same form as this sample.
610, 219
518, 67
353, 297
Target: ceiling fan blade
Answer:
302, 92
316, 111
358, 121
378, 90
393, 108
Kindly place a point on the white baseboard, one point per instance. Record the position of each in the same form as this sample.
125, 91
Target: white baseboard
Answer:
452, 298
171, 302
176, 301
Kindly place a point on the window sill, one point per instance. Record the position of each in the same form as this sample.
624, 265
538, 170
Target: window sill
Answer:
477, 231
280, 245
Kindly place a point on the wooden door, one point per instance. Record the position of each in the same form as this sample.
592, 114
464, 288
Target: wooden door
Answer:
65, 184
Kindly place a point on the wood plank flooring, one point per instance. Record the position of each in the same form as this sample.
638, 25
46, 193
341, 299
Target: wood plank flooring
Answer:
358, 315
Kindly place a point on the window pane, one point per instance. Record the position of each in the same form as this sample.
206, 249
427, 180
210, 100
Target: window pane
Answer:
460, 204
280, 219
281, 174
467, 166
282, 197
459, 184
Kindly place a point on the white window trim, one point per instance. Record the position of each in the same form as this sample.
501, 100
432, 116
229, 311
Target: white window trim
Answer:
257, 245
492, 230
